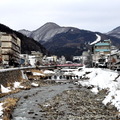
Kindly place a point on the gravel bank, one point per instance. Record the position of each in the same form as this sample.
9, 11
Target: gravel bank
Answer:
78, 104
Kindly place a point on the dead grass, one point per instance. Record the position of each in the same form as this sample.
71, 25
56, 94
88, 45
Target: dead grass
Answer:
38, 71
10, 85
8, 106
36, 77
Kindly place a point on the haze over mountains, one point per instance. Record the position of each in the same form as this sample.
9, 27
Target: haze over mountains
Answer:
69, 41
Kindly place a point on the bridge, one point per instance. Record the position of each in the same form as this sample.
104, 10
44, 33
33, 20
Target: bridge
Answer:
15, 74
55, 66
70, 65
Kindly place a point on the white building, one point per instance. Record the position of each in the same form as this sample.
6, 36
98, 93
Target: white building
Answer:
32, 60
49, 60
77, 59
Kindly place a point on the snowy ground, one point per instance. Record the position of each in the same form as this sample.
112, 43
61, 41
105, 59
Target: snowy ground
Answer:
99, 79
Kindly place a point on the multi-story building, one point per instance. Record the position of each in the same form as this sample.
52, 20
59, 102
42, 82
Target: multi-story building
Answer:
102, 47
77, 59
35, 58
10, 48
101, 51
50, 59
38, 57
61, 60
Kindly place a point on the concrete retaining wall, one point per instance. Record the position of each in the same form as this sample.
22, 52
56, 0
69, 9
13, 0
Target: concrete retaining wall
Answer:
10, 76
13, 74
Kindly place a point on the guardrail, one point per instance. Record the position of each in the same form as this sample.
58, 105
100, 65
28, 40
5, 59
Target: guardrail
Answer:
13, 69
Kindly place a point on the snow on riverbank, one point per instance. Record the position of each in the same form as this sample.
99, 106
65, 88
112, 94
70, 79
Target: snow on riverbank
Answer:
1, 110
38, 74
8, 89
5, 90
100, 79
48, 72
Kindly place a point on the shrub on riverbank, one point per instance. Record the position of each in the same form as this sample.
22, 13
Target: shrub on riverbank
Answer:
8, 106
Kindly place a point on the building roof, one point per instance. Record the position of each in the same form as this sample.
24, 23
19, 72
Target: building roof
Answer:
102, 50
102, 44
107, 40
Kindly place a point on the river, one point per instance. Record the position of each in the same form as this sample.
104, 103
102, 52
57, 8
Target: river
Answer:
28, 105
61, 101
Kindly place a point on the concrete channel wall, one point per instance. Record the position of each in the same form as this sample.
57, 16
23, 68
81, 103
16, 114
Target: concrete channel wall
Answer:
12, 75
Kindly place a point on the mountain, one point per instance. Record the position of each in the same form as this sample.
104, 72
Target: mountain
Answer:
68, 41
25, 32
115, 32
27, 44
75, 41
44, 33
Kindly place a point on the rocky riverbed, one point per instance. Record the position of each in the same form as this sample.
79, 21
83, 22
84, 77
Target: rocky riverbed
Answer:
79, 104
64, 101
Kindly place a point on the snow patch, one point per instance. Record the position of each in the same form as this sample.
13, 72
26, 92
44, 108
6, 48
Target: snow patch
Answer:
38, 74
24, 76
34, 84
48, 72
97, 40
17, 85
100, 79
5, 90
95, 90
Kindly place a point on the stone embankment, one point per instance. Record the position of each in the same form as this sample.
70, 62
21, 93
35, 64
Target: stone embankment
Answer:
11, 75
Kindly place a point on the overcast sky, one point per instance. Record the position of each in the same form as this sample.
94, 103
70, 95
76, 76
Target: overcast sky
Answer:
94, 15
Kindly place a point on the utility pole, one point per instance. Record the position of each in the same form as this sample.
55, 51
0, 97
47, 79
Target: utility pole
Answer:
110, 56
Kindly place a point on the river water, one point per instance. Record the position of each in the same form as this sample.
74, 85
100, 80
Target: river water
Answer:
28, 105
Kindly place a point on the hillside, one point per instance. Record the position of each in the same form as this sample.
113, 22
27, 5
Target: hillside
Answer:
27, 44
115, 32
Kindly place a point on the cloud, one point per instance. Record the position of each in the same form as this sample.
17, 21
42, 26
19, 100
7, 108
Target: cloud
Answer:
94, 15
